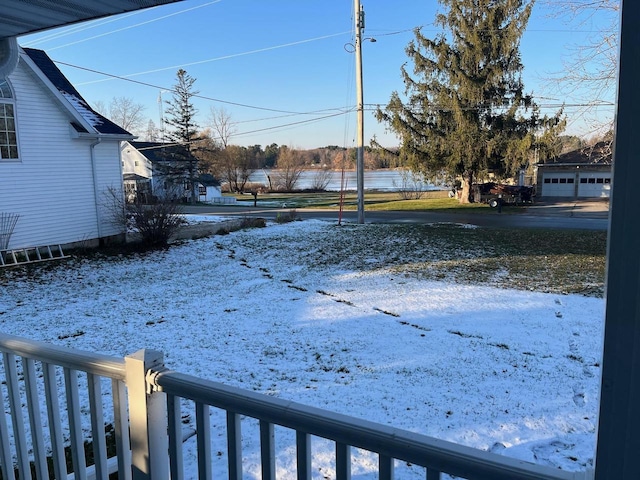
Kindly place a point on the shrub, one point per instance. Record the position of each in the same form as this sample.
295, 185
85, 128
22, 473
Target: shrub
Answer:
155, 222
290, 216
248, 222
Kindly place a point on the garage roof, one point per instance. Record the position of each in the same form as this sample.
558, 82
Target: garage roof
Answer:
19, 17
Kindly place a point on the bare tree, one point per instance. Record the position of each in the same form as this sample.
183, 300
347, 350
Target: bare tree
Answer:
289, 168
222, 125
235, 166
321, 178
125, 112
100, 107
590, 71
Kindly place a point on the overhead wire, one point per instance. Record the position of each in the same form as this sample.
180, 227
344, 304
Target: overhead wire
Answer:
136, 25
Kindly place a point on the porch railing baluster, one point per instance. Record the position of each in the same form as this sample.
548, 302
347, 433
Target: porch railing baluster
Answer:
343, 461
433, 474
385, 466
303, 455
97, 427
204, 441
17, 418
78, 458
6, 459
35, 420
121, 429
234, 445
267, 450
55, 423
174, 415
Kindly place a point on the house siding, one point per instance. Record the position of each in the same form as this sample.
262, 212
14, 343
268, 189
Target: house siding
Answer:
51, 185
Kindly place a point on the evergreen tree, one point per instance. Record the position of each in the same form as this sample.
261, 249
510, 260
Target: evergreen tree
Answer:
464, 113
180, 116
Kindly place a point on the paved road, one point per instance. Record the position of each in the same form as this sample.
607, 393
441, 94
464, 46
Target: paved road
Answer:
583, 216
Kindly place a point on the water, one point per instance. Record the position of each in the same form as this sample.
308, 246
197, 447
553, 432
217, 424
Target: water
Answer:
382, 180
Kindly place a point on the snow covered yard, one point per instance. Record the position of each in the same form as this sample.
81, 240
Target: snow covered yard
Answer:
296, 312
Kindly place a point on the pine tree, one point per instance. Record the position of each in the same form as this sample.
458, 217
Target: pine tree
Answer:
464, 113
180, 116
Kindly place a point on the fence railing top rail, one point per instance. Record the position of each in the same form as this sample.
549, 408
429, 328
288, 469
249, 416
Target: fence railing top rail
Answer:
90, 362
403, 445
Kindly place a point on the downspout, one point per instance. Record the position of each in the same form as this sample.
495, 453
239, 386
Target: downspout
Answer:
95, 186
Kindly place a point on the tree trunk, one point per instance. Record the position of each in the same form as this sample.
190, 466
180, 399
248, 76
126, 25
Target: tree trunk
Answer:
467, 183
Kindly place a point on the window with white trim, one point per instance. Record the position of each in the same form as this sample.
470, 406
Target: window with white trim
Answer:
8, 136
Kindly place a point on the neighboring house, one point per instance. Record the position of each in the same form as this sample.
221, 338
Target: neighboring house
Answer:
209, 189
582, 173
58, 158
137, 173
162, 168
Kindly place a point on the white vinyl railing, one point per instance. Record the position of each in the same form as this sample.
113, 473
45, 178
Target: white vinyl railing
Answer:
149, 439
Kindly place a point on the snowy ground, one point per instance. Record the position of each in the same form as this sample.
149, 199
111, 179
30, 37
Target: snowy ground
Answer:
503, 370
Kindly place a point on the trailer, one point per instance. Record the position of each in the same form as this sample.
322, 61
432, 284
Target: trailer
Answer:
496, 194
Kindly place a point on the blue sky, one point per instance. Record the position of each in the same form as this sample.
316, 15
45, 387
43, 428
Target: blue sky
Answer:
285, 61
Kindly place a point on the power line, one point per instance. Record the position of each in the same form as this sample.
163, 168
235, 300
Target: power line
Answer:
224, 57
136, 25
203, 97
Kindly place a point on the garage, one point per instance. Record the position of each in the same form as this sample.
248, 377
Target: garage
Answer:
558, 185
594, 184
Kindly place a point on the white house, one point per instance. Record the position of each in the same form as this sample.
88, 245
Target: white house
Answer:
58, 157
161, 170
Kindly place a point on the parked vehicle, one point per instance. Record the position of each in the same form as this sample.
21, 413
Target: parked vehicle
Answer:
496, 194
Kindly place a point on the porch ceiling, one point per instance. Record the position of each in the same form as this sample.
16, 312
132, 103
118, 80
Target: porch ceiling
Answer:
18, 17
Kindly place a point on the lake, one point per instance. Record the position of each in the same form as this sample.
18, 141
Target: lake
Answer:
382, 180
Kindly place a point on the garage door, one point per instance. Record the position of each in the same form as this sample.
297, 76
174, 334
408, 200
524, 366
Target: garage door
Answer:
558, 185
596, 184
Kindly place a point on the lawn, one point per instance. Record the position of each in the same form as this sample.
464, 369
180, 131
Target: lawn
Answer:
486, 337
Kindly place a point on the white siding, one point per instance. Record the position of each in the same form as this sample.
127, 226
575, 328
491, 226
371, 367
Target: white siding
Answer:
135, 162
51, 186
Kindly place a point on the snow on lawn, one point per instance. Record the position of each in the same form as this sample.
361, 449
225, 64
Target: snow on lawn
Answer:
503, 370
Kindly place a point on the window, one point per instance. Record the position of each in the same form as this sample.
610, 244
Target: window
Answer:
607, 180
547, 180
570, 180
554, 180
583, 180
592, 180
8, 136
202, 190
563, 180
599, 180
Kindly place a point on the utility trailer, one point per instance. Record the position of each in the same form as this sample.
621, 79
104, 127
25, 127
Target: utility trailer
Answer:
496, 194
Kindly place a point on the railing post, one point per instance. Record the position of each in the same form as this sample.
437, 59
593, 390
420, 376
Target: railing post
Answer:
147, 418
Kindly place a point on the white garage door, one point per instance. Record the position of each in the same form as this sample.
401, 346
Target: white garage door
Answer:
594, 184
558, 185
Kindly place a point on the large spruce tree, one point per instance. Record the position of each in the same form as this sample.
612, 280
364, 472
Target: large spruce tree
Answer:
183, 129
464, 113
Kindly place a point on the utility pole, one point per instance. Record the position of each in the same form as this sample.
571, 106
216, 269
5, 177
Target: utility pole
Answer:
359, 24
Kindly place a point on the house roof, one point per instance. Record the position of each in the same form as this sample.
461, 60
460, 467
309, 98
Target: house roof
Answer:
597, 154
208, 180
101, 124
159, 151
19, 17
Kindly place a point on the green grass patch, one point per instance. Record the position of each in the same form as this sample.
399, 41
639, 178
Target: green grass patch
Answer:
561, 261
448, 204
430, 200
